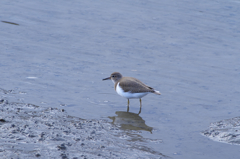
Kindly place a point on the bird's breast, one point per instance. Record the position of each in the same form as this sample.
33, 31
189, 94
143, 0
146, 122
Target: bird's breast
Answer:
129, 95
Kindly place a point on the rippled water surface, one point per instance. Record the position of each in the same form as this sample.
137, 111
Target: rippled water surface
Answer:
56, 53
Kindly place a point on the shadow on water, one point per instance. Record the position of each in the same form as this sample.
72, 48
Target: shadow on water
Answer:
130, 121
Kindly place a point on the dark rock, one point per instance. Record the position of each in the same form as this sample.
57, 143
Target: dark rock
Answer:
37, 155
2, 120
64, 156
62, 147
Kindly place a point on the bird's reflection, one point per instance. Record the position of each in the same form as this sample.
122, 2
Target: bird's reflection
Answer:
130, 121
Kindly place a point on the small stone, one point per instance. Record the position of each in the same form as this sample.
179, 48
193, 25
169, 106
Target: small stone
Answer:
12, 126
2, 120
64, 156
37, 155
31, 135
62, 147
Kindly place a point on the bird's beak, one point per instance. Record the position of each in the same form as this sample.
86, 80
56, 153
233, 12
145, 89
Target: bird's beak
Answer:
106, 78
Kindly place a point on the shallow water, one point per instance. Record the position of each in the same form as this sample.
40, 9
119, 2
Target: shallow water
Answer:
60, 51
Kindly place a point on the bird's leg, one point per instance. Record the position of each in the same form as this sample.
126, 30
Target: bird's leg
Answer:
140, 110
128, 109
128, 102
140, 106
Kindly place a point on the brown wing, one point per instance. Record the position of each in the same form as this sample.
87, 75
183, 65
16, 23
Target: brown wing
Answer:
134, 85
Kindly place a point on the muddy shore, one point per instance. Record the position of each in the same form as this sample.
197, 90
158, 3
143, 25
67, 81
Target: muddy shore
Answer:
29, 131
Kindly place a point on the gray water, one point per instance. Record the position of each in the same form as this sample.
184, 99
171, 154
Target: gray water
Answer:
57, 53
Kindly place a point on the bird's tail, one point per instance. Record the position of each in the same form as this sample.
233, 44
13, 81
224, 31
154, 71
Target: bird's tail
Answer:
157, 92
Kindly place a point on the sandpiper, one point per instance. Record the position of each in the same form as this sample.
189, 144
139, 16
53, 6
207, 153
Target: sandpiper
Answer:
130, 87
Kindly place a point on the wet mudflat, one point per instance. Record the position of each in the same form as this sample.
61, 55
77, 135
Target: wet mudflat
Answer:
226, 131
54, 54
30, 131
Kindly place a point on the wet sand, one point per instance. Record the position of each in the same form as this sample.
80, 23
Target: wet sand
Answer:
30, 131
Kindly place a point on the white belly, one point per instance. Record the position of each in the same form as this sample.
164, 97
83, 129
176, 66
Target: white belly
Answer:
129, 95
